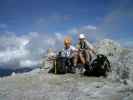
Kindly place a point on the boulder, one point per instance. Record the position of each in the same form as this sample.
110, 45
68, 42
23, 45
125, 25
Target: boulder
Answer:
109, 48
121, 59
47, 61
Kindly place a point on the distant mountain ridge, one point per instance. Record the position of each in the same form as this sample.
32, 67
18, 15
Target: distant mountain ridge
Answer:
8, 71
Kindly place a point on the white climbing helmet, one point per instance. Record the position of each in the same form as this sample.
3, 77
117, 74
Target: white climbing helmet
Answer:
81, 36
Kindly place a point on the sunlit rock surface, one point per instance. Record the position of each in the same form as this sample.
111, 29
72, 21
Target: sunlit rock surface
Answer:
121, 60
109, 48
39, 85
47, 61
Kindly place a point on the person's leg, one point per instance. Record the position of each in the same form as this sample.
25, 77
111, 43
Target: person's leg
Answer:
87, 56
73, 65
75, 59
82, 58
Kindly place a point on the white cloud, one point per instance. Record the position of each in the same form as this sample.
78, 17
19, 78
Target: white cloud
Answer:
12, 49
73, 31
88, 30
28, 63
28, 49
59, 36
90, 27
9, 55
83, 29
126, 42
51, 41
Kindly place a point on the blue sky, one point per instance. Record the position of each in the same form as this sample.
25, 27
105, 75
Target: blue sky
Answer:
24, 16
29, 27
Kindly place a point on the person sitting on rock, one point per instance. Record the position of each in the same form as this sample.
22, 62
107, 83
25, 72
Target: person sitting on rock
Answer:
69, 53
85, 50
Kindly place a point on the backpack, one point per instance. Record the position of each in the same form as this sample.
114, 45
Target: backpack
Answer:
61, 65
100, 66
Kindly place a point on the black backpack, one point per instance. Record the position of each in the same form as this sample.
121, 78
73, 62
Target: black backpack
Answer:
100, 66
61, 65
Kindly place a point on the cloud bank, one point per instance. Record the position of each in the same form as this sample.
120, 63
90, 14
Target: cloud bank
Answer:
26, 50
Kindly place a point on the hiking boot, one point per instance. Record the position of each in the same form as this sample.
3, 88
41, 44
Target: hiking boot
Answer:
71, 70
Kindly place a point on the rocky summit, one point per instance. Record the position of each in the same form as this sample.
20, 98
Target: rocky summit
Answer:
39, 85
121, 59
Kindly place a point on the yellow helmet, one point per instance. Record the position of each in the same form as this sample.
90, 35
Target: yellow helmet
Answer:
67, 40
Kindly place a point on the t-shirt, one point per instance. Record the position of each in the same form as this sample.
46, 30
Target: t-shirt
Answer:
67, 52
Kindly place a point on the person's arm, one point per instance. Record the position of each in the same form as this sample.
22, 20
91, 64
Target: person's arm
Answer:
73, 48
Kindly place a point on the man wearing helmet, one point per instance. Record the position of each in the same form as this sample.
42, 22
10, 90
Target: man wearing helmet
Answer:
86, 50
69, 52
68, 49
